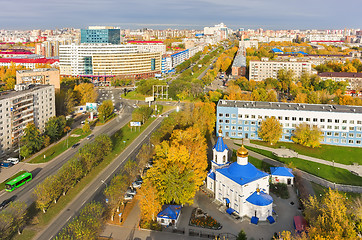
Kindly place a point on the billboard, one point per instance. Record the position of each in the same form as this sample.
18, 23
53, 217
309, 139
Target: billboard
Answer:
91, 107
135, 124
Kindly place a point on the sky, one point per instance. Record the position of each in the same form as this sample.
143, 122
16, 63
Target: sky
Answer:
181, 14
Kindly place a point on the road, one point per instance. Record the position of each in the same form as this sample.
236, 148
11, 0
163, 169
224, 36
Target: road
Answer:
96, 186
25, 193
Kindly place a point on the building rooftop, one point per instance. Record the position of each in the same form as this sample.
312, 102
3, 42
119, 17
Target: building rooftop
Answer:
291, 106
38, 70
260, 199
170, 212
28, 60
13, 93
220, 146
239, 60
281, 171
340, 74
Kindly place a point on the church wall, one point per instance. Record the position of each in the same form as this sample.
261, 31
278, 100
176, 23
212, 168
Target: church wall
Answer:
262, 212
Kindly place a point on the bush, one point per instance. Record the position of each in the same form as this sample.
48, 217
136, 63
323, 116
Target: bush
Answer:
280, 189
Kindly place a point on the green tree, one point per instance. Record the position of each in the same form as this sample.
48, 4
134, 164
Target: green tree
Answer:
141, 114
306, 135
114, 192
32, 140
271, 130
241, 235
105, 110
54, 127
69, 101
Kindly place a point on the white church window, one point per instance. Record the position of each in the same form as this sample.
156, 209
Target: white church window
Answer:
226, 127
240, 134
220, 120
233, 127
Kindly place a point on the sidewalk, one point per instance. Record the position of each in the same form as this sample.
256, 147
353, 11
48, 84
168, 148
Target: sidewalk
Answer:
290, 153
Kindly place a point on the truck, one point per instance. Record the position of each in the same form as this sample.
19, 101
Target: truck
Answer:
6, 164
14, 161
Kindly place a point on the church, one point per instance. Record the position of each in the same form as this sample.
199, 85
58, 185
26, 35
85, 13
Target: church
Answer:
242, 187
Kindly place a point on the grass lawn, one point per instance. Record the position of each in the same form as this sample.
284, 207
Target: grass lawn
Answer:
260, 164
60, 147
2, 185
320, 191
25, 235
330, 173
133, 95
340, 154
124, 134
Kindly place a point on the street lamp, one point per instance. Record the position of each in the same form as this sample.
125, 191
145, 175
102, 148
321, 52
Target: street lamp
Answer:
102, 181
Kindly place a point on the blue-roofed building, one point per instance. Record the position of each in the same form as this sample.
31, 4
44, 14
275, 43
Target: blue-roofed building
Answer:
277, 50
169, 215
242, 187
282, 175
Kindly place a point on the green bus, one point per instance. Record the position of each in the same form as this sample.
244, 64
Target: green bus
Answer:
18, 181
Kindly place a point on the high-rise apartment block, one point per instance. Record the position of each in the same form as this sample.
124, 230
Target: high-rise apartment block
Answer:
261, 70
29, 104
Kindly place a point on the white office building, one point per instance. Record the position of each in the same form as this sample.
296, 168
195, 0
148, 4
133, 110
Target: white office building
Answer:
339, 124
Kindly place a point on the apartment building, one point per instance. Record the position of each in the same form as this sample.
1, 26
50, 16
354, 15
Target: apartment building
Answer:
340, 125
261, 70
41, 76
28, 62
354, 79
28, 104
100, 34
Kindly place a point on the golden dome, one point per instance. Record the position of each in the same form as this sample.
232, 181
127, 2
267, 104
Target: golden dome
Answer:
220, 131
242, 152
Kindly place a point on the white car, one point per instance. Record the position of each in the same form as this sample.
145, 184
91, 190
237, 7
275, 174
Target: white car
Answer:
137, 184
131, 191
128, 197
13, 160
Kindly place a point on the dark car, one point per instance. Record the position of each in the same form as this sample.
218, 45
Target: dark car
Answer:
7, 202
75, 145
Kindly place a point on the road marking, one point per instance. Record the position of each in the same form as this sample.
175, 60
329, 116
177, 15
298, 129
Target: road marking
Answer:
3, 193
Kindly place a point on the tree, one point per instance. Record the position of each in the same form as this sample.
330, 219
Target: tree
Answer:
43, 194
115, 191
69, 101
329, 217
131, 169
306, 135
54, 127
86, 127
204, 117
149, 202
32, 141
141, 114
144, 155
241, 235
272, 96
12, 219
271, 130
105, 110
85, 93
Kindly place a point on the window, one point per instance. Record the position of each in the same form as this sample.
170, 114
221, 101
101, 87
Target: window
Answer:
307, 119
253, 116
336, 120
322, 126
321, 120
336, 127
358, 128
351, 121
246, 122
329, 120
233, 115
294, 118
351, 135
252, 123
252, 135
336, 140
351, 128
220, 121
240, 128
344, 134
358, 142
343, 141
233, 121
233, 128
220, 114
294, 125
227, 127
315, 120
328, 140
359, 122
350, 141
252, 129
344, 121
329, 134
344, 128
227, 121
280, 118
300, 119
336, 134
246, 129
286, 118
240, 122
227, 115
233, 134
358, 135
329, 127
240, 116
246, 116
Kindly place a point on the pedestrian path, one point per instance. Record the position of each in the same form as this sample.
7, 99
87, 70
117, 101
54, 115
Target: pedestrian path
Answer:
289, 153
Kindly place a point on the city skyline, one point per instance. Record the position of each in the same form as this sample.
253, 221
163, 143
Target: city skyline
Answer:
278, 14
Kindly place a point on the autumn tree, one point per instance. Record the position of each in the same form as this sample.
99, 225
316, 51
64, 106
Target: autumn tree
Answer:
69, 101
12, 219
144, 155
271, 130
85, 93
115, 190
329, 217
149, 202
105, 110
306, 135
54, 127
204, 116
86, 127
141, 114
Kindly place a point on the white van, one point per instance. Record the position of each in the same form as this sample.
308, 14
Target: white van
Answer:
13, 160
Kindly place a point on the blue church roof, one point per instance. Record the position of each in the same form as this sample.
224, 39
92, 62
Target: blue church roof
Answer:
212, 175
281, 171
242, 174
261, 199
220, 146
277, 50
170, 212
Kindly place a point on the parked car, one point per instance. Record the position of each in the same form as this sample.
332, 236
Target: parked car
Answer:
90, 136
148, 165
128, 197
6, 164
137, 184
7, 202
131, 191
14, 161
75, 145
